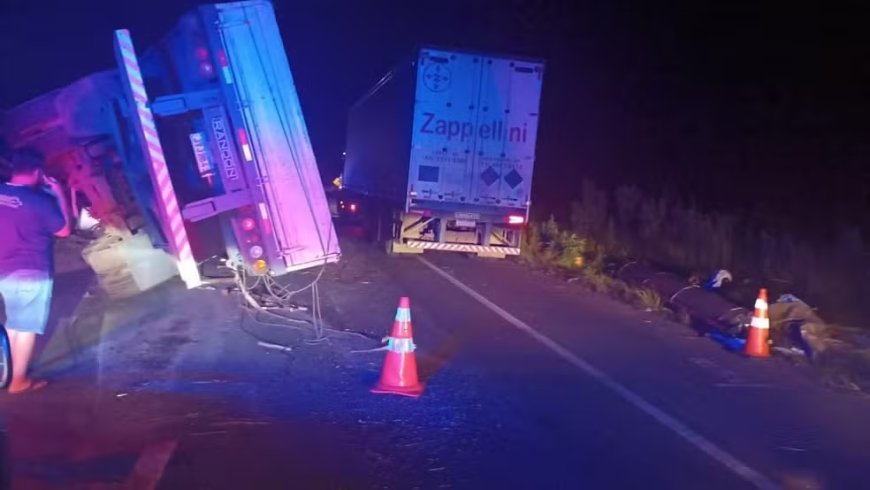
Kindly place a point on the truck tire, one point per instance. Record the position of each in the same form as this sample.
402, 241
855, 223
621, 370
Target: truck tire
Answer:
5, 359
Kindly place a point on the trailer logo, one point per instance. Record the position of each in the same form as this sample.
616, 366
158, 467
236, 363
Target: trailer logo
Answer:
436, 77
224, 148
496, 130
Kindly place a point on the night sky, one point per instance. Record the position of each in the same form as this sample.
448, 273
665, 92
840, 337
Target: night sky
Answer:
735, 107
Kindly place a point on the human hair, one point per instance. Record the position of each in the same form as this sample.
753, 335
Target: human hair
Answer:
25, 161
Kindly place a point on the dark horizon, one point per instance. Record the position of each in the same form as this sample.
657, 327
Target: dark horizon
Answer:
729, 107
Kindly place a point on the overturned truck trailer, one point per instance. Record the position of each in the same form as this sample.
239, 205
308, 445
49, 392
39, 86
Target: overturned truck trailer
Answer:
191, 148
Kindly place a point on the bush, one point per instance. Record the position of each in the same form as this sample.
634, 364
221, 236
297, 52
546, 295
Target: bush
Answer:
548, 245
648, 299
666, 232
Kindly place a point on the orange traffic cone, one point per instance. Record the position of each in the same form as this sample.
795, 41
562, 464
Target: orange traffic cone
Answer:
399, 375
756, 342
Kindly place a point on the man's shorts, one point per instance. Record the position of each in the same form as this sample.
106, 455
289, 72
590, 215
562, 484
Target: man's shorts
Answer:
26, 298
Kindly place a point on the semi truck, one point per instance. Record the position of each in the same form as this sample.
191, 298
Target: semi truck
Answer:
194, 147
442, 151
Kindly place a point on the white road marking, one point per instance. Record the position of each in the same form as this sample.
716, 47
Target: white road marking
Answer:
740, 468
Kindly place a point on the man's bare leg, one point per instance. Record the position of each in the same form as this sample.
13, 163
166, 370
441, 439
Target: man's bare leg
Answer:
21, 344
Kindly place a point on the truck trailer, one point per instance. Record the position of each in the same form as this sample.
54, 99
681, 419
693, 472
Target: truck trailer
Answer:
191, 148
442, 150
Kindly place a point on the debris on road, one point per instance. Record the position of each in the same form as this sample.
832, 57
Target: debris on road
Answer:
278, 347
797, 323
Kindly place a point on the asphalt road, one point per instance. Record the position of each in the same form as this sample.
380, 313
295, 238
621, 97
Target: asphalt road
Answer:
531, 382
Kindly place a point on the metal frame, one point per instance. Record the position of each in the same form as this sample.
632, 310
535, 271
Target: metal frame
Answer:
408, 238
171, 220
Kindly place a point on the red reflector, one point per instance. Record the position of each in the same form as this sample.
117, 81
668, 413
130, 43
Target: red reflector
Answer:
248, 224
353, 208
516, 220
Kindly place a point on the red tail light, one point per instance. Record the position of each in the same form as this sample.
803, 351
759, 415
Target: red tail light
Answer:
248, 224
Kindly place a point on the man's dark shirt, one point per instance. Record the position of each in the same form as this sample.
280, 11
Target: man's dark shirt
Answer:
29, 218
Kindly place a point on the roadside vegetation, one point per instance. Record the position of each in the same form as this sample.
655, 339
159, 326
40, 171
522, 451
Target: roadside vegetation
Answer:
609, 228
547, 245
830, 274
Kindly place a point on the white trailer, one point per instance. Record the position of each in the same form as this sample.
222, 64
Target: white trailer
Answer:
447, 143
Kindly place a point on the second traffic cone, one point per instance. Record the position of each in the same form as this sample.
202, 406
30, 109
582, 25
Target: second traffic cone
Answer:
399, 375
757, 344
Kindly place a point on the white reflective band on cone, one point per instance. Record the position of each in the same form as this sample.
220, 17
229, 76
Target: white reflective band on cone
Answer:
401, 346
403, 315
763, 323
760, 304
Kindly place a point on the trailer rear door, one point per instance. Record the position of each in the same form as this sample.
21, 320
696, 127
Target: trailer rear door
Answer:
276, 134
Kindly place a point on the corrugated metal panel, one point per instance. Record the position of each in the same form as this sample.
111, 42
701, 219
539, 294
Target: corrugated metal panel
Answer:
475, 127
278, 135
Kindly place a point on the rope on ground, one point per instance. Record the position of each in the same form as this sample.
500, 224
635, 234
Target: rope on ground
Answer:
281, 296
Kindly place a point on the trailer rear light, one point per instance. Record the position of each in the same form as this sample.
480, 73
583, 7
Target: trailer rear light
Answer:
246, 146
248, 224
260, 267
255, 252
206, 69
516, 220
352, 208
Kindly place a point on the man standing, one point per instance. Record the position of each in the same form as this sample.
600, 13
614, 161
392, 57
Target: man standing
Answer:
33, 210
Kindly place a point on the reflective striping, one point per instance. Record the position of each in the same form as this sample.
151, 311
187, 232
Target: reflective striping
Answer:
462, 247
228, 75
172, 221
246, 149
177, 223
153, 141
401, 346
403, 315
172, 207
763, 323
760, 304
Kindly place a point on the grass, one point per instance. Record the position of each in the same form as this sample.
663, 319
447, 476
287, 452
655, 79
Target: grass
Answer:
649, 299
830, 272
549, 246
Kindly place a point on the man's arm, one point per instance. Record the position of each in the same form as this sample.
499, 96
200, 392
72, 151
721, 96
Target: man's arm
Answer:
58, 193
